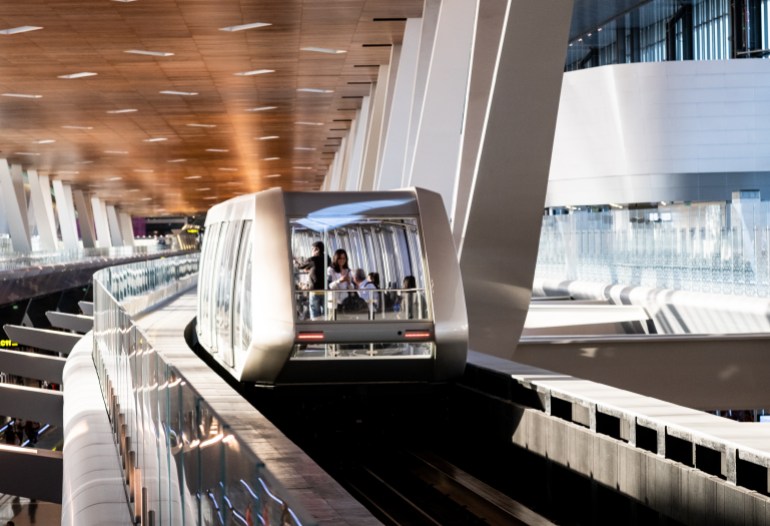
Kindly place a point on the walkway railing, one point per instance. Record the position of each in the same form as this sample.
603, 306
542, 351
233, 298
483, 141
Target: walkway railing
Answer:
183, 463
717, 260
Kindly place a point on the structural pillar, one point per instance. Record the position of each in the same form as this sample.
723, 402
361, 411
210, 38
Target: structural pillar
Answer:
126, 229
355, 163
391, 173
14, 216
85, 220
66, 211
114, 225
502, 233
372, 138
45, 231
439, 139
99, 208
489, 26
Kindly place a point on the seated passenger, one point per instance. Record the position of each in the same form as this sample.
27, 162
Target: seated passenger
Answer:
366, 291
339, 277
410, 302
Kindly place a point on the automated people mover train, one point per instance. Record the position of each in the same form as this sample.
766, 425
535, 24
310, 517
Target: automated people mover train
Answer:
264, 319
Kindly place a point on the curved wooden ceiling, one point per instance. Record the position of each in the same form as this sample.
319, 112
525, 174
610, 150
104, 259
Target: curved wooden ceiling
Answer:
178, 154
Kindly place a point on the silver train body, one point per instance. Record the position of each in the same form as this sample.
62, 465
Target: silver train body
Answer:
263, 320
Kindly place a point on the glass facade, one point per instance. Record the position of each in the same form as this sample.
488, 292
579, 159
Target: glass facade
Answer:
664, 30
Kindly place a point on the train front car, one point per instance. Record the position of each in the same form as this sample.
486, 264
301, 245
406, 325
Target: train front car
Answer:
278, 305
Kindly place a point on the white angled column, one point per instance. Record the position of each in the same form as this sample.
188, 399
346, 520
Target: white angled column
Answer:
17, 176
66, 212
391, 169
85, 220
40, 209
502, 231
99, 209
126, 229
114, 224
355, 163
344, 151
439, 138
489, 27
45, 188
427, 37
13, 210
372, 144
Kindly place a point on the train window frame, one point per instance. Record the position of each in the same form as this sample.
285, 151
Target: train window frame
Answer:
207, 272
225, 286
242, 311
385, 254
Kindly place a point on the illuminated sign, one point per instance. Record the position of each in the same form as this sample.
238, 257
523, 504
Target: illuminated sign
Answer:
192, 230
8, 343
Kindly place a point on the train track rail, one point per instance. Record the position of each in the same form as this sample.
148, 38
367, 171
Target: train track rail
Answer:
421, 488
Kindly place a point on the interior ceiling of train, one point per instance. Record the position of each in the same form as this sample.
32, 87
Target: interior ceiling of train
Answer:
166, 107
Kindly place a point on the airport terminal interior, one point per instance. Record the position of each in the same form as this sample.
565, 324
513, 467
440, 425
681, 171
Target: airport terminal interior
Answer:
402, 262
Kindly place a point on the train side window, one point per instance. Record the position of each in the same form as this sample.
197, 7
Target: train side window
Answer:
207, 272
225, 277
242, 307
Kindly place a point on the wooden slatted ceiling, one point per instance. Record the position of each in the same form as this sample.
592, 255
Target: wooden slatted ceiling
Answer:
111, 154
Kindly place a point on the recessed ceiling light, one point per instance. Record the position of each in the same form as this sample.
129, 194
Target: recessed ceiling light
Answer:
210, 198
217, 150
254, 72
272, 176
271, 158
308, 123
124, 1
267, 137
134, 190
231, 183
177, 160
146, 199
84, 162
23, 95
115, 179
196, 125
181, 93
155, 139
149, 53
79, 75
303, 167
20, 29
327, 50
143, 170
67, 172
46, 141
304, 148
29, 154
193, 177
116, 152
262, 108
243, 27
315, 90
205, 189
124, 110
229, 169
70, 127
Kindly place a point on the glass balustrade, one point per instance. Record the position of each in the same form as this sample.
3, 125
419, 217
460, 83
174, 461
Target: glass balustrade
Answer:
184, 465
700, 253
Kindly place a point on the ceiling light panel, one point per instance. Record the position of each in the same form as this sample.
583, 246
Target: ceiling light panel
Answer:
78, 75
149, 53
217, 150
180, 93
243, 27
20, 29
23, 95
315, 90
262, 108
197, 125
267, 138
123, 110
326, 50
254, 72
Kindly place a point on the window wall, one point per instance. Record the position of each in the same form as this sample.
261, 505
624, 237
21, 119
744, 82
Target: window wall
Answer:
667, 30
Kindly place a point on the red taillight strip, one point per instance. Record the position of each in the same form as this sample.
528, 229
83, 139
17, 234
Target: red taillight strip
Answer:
421, 335
310, 336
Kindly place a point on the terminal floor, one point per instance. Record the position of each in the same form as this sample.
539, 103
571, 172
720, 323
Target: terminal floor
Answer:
46, 514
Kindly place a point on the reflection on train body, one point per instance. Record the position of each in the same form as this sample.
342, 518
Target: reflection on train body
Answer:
270, 311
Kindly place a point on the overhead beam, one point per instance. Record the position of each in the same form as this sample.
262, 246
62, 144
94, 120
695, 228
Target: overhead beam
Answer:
45, 339
32, 365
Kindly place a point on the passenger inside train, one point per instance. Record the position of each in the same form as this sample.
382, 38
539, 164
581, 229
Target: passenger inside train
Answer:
389, 248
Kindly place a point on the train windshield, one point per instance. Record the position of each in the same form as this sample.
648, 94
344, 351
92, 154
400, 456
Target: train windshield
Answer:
352, 267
